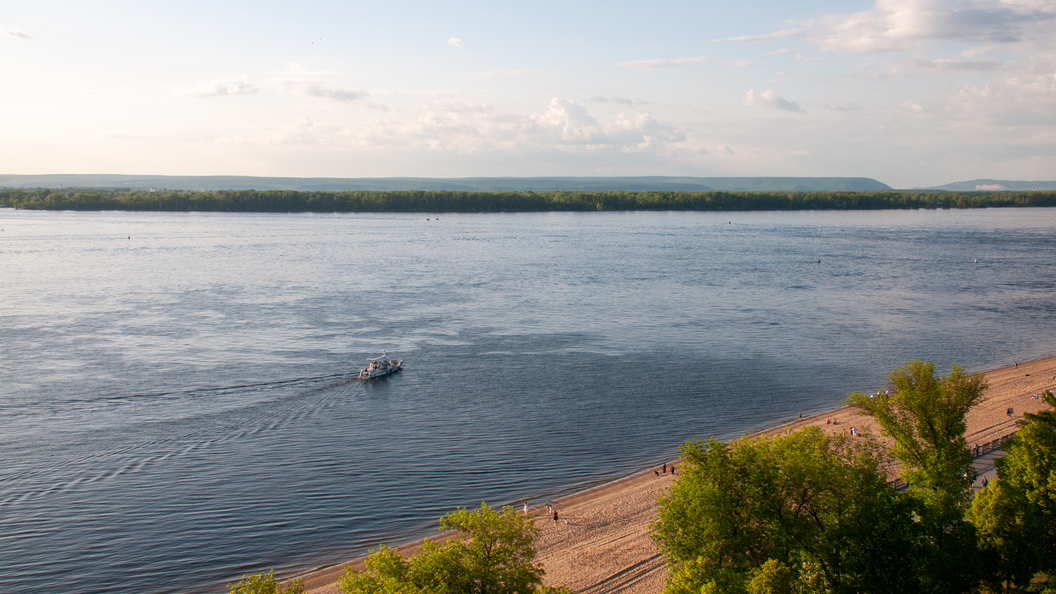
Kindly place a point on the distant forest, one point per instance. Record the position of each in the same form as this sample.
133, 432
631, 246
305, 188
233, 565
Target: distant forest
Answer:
461, 201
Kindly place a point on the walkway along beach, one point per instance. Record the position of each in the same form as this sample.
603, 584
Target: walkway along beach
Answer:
605, 545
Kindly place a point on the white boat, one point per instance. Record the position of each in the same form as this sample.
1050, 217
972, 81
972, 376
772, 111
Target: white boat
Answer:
380, 367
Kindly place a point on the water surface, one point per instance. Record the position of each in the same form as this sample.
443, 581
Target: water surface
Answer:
175, 398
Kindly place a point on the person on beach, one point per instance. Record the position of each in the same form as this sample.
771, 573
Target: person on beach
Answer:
526, 508
672, 470
555, 516
665, 468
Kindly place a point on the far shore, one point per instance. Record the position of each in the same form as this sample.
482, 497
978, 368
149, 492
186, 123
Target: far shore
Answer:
601, 543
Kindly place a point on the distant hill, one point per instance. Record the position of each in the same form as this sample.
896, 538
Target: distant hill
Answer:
469, 184
995, 185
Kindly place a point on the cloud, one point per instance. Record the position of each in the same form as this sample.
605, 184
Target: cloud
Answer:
342, 95
662, 63
217, 88
456, 42
463, 127
742, 63
764, 36
614, 99
503, 73
950, 64
15, 33
771, 99
725, 150
895, 25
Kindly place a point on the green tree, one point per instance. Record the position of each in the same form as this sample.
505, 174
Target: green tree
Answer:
1016, 514
1007, 530
264, 583
813, 503
925, 417
492, 552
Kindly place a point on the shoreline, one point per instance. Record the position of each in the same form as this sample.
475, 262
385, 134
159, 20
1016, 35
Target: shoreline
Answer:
604, 543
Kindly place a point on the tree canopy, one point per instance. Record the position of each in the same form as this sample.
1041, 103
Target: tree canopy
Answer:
492, 552
806, 508
926, 418
1016, 513
264, 583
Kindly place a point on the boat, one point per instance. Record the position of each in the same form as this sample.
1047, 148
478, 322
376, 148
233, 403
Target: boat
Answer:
380, 367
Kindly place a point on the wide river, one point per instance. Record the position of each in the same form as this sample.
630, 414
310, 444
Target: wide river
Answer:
176, 402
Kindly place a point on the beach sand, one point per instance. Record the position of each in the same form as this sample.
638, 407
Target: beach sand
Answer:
605, 546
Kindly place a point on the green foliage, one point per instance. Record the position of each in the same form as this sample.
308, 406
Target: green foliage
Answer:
1029, 476
1007, 531
492, 553
472, 201
805, 499
264, 583
773, 577
925, 416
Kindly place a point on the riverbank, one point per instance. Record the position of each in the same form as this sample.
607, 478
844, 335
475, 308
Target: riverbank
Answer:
605, 545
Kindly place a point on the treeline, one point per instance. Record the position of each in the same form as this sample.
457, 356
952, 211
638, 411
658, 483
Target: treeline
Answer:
459, 201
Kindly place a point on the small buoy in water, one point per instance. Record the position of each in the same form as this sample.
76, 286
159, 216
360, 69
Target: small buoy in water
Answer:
976, 261
819, 261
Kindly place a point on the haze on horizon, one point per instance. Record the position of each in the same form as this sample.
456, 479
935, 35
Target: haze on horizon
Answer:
909, 92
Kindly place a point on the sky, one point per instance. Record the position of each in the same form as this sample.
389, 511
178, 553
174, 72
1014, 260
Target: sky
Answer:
910, 92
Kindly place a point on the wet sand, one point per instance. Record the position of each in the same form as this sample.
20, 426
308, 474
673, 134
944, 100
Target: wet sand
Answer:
605, 546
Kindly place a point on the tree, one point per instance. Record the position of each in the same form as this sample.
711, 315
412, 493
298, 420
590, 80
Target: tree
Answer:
925, 417
814, 504
264, 583
1007, 530
492, 553
1031, 466
1016, 514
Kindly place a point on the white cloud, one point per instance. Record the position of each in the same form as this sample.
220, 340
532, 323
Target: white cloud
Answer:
662, 62
764, 36
742, 63
472, 128
505, 73
771, 99
894, 25
343, 95
456, 42
951, 64
615, 99
217, 88
16, 33
725, 150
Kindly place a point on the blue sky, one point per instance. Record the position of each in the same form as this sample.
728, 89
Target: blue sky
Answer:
910, 92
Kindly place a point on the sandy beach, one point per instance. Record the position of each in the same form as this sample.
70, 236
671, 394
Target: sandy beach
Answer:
601, 543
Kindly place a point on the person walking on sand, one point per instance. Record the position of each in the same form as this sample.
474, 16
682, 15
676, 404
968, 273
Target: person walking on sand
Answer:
526, 508
555, 516
664, 471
